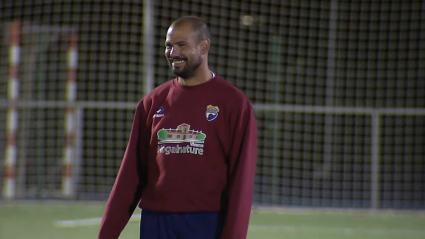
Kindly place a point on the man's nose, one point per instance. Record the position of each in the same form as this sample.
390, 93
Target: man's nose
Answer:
173, 52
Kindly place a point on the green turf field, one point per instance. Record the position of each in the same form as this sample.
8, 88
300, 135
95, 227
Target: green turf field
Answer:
45, 221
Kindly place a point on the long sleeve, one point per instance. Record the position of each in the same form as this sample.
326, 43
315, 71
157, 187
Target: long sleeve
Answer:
129, 183
241, 175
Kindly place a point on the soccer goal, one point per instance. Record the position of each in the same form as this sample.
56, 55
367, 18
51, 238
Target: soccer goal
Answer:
33, 48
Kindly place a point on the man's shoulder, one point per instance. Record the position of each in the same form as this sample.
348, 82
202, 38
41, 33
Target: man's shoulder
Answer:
156, 94
230, 90
161, 89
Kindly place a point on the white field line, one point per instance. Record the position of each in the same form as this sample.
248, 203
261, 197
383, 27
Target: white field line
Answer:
89, 221
344, 230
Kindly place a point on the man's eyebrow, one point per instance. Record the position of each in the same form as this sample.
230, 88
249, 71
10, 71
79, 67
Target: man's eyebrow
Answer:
167, 43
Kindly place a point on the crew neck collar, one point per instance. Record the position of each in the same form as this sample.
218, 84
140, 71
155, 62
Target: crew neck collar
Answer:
205, 84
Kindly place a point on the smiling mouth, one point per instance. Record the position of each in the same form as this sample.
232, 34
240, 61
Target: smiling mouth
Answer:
176, 62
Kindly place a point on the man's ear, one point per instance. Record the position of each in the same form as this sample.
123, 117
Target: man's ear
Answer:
204, 46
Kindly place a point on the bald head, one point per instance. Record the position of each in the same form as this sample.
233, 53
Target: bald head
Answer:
199, 27
187, 45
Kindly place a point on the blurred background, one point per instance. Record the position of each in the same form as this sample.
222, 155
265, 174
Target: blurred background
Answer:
338, 88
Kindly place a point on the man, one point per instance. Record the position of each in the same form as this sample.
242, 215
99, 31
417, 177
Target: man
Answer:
190, 159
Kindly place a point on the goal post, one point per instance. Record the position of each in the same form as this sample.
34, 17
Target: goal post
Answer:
18, 30
9, 187
68, 181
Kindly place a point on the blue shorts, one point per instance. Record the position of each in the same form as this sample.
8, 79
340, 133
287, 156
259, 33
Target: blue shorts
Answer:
158, 225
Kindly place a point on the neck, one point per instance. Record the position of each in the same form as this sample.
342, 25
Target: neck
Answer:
201, 76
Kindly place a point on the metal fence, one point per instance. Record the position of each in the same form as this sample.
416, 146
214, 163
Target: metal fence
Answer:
337, 87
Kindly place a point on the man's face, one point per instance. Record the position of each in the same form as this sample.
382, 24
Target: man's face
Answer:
182, 51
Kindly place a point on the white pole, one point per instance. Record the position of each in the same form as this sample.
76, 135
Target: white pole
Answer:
275, 190
9, 189
78, 140
330, 74
71, 95
148, 46
376, 126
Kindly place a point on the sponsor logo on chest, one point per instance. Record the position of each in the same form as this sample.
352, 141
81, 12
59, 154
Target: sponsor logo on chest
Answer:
183, 139
159, 112
175, 141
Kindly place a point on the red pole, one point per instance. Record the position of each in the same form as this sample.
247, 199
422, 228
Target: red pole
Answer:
9, 189
71, 95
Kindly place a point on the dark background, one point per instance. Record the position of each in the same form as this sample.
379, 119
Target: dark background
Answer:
285, 57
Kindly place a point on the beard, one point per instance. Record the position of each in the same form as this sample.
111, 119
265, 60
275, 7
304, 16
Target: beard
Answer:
188, 70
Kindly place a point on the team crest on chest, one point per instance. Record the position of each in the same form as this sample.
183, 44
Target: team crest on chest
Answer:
212, 112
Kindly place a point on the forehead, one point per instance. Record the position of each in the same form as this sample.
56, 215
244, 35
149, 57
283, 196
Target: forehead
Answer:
180, 33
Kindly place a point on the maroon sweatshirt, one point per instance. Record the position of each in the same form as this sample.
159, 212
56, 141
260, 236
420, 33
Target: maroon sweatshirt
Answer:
191, 149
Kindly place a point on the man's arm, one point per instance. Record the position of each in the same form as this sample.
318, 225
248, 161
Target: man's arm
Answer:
128, 185
241, 175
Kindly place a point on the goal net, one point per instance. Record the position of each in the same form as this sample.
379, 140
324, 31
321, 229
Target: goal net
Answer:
337, 87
